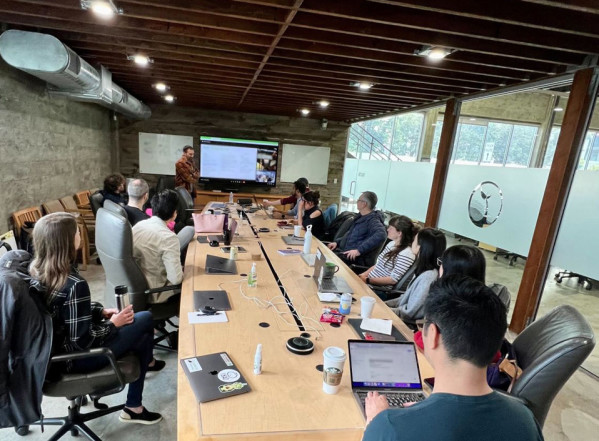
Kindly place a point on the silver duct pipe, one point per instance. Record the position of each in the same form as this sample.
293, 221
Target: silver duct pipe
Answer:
47, 58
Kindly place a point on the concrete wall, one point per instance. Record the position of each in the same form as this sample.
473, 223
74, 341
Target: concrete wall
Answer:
175, 120
49, 147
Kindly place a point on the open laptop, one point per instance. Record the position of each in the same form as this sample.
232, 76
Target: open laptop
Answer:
218, 300
334, 285
387, 367
310, 259
220, 265
214, 376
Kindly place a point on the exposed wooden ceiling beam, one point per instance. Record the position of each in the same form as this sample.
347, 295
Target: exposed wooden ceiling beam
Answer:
589, 6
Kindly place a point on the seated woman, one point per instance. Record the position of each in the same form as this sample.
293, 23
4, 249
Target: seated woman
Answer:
80, 324
396, 258
114, 189
428, 246
312, 214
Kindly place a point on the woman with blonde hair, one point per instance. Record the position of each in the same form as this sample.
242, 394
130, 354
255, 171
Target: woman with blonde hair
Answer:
80, 324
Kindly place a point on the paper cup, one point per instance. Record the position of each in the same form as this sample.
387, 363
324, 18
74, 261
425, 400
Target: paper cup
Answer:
297, 230
332, 372
367, 304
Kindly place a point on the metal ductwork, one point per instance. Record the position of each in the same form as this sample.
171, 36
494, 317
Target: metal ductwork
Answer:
69, 75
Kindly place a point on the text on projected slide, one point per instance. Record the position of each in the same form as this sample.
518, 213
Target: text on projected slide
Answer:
228, 162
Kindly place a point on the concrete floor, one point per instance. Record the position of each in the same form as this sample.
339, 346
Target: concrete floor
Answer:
574, 415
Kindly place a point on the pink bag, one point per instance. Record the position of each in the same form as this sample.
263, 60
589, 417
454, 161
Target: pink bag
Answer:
208, 223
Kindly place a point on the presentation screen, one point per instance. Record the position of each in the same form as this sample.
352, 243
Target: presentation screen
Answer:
238, 161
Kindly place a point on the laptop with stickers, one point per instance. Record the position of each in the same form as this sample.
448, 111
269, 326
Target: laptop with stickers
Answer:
214, 376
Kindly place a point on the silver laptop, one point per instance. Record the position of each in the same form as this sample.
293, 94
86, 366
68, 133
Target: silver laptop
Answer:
214, 376
218, 300
335, 285
220, 265
310, 259
293, 240
387, 367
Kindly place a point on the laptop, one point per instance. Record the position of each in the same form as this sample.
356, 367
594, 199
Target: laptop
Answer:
214, 376
218, 300
220, 265
333, 285
293, 240
310, 259
387, 367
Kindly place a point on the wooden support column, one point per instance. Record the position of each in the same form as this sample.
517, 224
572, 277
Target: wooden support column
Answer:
450, 124
561, 175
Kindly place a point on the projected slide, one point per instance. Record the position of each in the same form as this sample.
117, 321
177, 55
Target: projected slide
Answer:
228, 162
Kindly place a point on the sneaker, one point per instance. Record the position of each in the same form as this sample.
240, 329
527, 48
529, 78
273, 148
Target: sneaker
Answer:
158, 366
145, 417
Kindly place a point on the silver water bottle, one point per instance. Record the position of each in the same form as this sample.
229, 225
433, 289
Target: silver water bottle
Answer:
121, 293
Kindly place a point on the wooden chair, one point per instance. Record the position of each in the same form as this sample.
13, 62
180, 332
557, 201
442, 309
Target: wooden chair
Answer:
82, 199
31, 214
52, 207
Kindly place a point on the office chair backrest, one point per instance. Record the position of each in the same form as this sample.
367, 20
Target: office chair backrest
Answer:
115, 208
329, 214
165, 182
503, 293
96, 200
183, 213
339, 226
114, 242
549, 351
402, 283
52, 207
369, 258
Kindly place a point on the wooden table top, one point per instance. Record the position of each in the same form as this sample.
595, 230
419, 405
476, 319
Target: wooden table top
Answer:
286, 401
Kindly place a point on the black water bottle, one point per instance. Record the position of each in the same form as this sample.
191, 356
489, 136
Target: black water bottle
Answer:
121, 293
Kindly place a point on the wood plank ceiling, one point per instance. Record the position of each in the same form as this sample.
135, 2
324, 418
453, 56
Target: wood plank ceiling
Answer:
277, 56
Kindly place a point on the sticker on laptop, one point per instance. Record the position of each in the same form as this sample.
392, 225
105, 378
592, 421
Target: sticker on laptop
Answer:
228, 375
226, 359
225, 388
193, 365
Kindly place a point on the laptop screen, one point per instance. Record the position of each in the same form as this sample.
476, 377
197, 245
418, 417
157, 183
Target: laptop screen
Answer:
383, 364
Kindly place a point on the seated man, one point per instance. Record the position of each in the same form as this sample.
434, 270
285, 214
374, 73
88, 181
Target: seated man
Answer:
156, 248
366, 233
138, 190
114, 189
465, 323
299, 188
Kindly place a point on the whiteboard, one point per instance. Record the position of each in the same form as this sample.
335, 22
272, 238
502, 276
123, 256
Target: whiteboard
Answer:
305, 161
158, 153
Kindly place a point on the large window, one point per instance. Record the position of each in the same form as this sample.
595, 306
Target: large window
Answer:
589, 157
490, 143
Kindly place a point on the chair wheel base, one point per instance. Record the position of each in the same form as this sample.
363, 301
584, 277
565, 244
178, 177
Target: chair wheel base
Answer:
22, 430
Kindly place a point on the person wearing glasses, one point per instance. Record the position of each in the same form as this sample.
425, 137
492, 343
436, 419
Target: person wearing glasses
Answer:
396, 258
428, 247
366, 233
462, 405
312, 214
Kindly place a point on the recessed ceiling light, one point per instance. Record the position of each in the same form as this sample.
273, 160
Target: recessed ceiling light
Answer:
361, 85
140, 60
305, 112
558, 109
472, 119
433, 53
102, 8
169, 98
161, 87
324, 104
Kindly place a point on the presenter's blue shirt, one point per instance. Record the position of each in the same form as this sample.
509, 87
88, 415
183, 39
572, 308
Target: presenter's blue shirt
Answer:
448, 417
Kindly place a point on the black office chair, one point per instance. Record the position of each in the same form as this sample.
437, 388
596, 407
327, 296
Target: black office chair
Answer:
339, 226
75, 386
114, 242
96, 201
184, 209
549, 351
398, 289
582, 280
165, 182
5, 245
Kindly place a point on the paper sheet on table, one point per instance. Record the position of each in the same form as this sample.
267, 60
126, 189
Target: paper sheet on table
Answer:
196, 317
329, 297
377, 325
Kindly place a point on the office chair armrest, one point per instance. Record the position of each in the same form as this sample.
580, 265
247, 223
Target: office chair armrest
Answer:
95, 352
194, 209
355, 267
163, 289
386, 290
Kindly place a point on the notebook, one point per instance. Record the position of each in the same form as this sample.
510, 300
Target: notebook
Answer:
387, 367
214, 376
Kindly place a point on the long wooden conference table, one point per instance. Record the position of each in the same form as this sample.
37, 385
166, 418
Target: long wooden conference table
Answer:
286, 401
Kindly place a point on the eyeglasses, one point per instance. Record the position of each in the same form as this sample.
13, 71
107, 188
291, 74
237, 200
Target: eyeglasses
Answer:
361, 200
439, 261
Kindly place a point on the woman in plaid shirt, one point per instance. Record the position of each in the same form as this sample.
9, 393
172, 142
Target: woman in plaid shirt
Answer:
80, 324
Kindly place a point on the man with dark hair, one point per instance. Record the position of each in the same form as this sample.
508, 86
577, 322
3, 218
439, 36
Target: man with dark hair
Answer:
366, 233
156, 248
464, 325
299, 188
114, 188
186, 173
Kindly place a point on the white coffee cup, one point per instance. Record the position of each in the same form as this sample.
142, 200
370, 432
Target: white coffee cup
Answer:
297, 230
334, 360
367, 304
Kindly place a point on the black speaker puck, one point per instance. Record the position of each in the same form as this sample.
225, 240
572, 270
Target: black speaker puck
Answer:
300, 346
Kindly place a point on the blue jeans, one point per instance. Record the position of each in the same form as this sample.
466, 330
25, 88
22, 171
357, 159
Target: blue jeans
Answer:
138, 337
